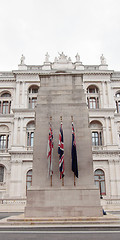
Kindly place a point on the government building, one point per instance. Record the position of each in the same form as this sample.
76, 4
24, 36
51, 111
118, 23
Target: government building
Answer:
18, 99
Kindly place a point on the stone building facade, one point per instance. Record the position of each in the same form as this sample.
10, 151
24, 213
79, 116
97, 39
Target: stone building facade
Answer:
18, 98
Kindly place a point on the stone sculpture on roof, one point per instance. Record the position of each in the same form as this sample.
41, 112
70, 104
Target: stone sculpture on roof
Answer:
103, 60
22, 60
47, 57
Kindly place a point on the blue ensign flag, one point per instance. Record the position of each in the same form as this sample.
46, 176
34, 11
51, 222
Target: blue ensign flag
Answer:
74, 153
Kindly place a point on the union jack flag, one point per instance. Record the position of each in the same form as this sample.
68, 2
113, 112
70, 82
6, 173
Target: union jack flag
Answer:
74, 153
50, 151
61, 153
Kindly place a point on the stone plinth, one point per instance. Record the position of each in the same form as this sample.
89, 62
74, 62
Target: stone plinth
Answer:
63, 202
62, 95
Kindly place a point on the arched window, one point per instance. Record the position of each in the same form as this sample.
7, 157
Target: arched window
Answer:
99, 178
97, 133
30, 133
93, 97
5, 103
117, 100
1, 174
32, 95
4, 137
28, 179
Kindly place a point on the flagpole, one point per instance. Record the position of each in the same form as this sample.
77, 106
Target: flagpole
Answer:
63, 181
74, 181
51, 180
51, 175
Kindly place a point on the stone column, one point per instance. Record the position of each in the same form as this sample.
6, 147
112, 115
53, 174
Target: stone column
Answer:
23, 94
17, 94
117, 169
113, 131
108, 136
26, 98
109, 95
15, 131
101, 103
16, 182
104, 94
104, 136
21, 132
113, 185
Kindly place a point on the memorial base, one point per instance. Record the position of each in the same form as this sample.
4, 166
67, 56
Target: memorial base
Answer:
63, 202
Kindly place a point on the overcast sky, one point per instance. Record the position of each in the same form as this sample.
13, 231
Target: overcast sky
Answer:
34, 27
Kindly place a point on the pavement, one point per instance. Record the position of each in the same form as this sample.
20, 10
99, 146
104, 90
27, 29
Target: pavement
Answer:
108, 222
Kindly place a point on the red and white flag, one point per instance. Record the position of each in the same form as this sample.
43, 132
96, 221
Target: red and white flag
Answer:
50, 151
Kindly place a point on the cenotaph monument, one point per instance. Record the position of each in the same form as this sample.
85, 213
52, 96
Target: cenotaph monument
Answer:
61, 96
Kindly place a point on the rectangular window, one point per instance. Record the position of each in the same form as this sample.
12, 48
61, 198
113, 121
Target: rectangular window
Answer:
2, 141
95, 139
92, 103
118, 107
1, 173
32, 102
91, 90
30, 139
34, 90
5, 109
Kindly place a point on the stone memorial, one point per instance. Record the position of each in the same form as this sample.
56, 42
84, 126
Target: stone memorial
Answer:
61, 95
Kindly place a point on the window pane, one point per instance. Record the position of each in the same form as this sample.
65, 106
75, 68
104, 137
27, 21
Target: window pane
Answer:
100, 134
96, 178
118, 94
97, 184
32, 139
99, 172
28, 139
119, 106
29, 179
91, 90
35, 90
2, 141
102, 187
5, 95
29, 185
5, 107
92, 103
99, 178
95, 139
32, 102
1, 173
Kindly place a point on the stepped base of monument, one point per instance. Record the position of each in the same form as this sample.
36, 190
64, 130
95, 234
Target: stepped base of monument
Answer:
63, 202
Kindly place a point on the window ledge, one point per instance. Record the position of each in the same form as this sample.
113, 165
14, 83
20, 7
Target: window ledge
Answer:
97, 147
2, 184
3, 150
29, 148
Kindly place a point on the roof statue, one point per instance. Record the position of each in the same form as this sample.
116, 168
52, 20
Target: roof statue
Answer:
62, 58
77, 57
103, 60
22, 60
47, 57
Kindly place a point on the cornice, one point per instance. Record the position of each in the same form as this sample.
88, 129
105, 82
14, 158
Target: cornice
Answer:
6, 115
102, 110
28, 152
62, 72
26, 110
7, 79
106, 152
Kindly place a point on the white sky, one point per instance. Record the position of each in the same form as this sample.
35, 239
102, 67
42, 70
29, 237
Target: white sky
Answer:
34, 27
